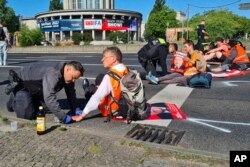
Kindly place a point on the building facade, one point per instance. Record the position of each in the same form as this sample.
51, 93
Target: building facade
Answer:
97, 17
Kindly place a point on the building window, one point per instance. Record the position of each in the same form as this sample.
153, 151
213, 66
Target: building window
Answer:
74, 4
89, 4
80, 4
97, 4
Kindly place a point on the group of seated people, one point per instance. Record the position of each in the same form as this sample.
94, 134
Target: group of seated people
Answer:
230, 55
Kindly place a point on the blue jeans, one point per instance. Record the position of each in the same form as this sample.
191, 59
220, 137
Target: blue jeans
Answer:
3, 52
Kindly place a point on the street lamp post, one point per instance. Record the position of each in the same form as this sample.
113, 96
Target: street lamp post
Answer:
167, 32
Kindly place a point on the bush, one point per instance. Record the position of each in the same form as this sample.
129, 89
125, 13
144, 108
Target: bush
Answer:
29, 37
118, 36
87, 38
77, 38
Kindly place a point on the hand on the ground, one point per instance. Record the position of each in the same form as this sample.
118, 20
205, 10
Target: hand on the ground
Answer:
77, 118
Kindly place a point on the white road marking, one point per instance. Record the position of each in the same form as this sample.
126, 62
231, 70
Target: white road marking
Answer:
222, 122
206, 124
230, 83
170, 94
9, 66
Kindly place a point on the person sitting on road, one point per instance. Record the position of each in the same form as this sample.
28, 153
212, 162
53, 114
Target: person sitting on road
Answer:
189, 66
236, 58
176, 76
177, 68
153, 53
219, 52
38, 84
112, 60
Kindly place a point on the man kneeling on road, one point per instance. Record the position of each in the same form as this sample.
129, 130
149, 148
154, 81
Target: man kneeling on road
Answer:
38, 84
112, 60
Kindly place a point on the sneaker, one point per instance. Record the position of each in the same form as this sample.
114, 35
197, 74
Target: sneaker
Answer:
152, 79
85, 83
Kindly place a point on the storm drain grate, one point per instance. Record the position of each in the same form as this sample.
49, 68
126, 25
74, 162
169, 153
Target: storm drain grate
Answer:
155, 134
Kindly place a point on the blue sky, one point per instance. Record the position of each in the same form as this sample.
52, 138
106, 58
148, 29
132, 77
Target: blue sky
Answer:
29, 8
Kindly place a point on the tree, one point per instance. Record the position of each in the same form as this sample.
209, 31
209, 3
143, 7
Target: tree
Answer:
7, 15
220, 23
158, 6
158, 21
55, 5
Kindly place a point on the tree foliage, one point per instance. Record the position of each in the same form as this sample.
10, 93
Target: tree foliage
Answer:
29, 37
220, 23
158, 21
7, 15
158, 6
55, 5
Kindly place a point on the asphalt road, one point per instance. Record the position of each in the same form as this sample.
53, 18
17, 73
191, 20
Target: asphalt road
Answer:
218, 118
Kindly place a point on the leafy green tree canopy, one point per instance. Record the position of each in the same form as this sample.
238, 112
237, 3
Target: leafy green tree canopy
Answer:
55, 5
220, 23
159, 5
158, 21
7, 15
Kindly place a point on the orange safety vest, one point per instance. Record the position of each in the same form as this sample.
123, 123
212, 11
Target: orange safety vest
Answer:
190, 68
108, 104
241, 56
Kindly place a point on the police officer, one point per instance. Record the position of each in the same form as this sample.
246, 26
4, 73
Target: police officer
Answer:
38, 84
153, 53
201, 32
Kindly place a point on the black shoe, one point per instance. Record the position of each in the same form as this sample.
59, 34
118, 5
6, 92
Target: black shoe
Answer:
85, 83
13, 77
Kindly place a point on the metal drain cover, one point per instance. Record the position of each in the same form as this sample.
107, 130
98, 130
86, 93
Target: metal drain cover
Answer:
155, 134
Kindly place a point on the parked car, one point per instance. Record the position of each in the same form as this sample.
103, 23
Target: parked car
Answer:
46, 43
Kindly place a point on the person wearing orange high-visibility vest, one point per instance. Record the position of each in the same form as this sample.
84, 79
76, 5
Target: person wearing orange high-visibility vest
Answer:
101, 99
236, 58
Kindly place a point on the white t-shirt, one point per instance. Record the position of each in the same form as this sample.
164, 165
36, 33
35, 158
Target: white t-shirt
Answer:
103, 90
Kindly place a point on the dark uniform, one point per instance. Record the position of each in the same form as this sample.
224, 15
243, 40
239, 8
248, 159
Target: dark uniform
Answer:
39, 84
153, 53
201, 37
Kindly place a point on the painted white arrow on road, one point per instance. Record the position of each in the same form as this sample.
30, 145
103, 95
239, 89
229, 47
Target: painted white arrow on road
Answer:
230, 83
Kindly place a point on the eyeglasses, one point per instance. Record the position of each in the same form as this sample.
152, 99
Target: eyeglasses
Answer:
105, 57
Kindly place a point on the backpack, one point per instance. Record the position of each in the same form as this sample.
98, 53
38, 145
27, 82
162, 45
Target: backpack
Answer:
2, 34
132, 103
201, 80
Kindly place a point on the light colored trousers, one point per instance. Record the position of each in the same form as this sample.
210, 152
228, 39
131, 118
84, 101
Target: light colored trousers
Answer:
3, 52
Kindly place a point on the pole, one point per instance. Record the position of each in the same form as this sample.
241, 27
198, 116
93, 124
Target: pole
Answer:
187, 21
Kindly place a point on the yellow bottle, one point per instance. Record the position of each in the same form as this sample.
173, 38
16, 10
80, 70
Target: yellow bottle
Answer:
40, 121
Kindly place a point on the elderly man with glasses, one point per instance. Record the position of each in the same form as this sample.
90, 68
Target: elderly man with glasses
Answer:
102, 99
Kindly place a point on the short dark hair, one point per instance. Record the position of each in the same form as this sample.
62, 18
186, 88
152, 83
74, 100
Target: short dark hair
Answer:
174, 45
189, 43
232, 42
116, 51
77, 66
219, 39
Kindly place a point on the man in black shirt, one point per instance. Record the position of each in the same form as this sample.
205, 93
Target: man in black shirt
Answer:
201, 32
